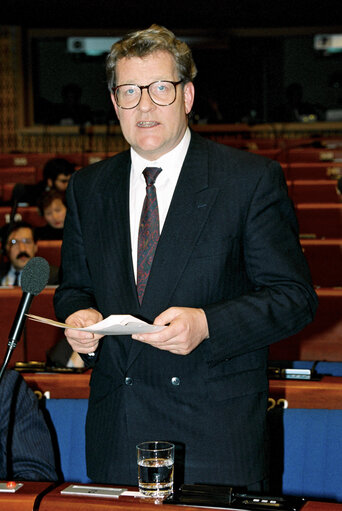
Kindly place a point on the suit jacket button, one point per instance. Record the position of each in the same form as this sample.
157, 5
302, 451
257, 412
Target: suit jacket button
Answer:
175, 380
129, 380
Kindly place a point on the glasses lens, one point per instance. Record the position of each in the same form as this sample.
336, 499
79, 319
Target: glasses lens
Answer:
162, 93
25, 241
127, 96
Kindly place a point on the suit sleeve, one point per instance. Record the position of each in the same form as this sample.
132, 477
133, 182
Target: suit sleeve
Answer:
281, 300
25, 438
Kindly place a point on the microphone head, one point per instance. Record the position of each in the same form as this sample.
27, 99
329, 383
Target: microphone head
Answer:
35, 275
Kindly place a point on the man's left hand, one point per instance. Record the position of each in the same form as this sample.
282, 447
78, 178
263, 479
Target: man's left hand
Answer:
187, 328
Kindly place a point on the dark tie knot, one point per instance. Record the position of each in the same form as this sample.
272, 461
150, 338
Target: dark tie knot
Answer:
151, 174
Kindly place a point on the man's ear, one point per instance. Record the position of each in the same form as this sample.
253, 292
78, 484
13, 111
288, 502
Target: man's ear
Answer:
189, 96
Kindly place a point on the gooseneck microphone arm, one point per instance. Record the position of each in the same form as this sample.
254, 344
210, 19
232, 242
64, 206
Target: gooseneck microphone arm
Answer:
34, 278
19, 320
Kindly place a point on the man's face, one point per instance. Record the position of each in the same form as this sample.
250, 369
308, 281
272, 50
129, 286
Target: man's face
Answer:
21, 247
150, 129
61, 182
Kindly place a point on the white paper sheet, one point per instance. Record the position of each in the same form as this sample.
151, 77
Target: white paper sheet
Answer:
113, 325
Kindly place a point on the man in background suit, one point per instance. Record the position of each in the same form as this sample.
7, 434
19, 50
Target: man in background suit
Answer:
20, 245
228, 278
26, 451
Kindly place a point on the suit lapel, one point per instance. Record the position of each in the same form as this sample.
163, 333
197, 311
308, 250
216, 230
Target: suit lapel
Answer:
188, 212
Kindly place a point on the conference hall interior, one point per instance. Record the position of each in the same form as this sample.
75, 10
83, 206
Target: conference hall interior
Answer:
269, 82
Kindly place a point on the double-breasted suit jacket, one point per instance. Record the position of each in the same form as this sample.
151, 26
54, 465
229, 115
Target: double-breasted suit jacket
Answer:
229, 245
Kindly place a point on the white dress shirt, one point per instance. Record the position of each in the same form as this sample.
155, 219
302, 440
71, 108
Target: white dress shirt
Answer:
171, 165
9, 278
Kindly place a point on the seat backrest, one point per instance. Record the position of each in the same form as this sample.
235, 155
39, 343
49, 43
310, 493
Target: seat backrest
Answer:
306, 452
66, 419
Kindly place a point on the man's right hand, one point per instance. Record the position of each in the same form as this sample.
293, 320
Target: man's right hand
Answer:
83, 342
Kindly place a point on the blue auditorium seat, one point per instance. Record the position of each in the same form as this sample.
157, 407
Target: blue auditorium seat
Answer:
306, 452
321, 367
68, 433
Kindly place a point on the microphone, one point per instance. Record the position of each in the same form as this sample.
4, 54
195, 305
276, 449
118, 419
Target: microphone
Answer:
34, 278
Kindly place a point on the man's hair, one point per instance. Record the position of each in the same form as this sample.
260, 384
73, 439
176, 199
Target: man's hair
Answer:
145, 42
47, 198
57, 166
15, 226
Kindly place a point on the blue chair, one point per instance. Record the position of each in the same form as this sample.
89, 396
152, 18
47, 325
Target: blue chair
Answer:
306, 452
66, 418
321, 367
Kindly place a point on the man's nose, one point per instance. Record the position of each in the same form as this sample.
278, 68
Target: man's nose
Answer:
146, 102
22, 246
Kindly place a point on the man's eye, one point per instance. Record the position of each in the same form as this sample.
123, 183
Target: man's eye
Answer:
130, 92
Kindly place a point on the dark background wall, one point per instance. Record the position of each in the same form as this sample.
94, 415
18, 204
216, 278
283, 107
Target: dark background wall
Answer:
249, 50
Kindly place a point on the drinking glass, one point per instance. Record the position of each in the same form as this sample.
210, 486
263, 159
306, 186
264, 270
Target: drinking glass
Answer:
155, 468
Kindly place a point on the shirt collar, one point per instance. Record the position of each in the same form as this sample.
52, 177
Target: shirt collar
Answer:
171, 162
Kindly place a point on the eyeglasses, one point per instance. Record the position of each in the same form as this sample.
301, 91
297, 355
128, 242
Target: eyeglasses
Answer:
162, 93
25, 241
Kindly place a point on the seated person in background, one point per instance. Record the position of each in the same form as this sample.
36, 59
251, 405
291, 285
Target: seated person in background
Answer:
52, 207
20, 245
26, 451
56, 175
62, 355
295, 109
339, 188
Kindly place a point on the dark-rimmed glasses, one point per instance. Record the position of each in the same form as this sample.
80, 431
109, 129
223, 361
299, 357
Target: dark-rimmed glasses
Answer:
162, 93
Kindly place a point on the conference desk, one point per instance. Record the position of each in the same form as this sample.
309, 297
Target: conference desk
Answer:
43, 497
324, 393
26, 498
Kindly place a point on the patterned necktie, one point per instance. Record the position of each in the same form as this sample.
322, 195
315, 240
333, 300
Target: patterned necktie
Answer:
148, 230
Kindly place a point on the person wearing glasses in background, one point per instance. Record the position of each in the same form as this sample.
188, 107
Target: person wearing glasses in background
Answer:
20, 245
228, 278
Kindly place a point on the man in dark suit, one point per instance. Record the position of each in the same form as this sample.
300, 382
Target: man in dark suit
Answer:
228, 278
20, 245
26, 451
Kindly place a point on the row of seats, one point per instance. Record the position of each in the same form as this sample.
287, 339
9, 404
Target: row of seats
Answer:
305, 445
311, 191
318, 220
324, 257
312, 170
300, 190
293, 170
302, 463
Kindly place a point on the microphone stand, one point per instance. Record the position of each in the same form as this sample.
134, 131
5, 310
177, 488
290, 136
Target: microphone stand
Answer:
17, 329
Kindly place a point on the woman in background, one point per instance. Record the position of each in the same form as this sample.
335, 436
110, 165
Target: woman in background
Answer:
52, 207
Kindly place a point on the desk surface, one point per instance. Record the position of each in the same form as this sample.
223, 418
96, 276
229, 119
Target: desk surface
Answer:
325, 393
26, 498
40, 497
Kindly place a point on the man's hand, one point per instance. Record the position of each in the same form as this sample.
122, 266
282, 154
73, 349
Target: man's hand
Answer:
187, 328
83, 342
